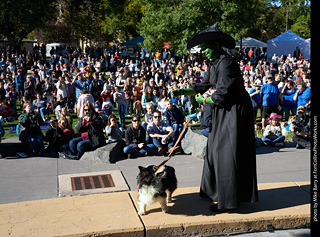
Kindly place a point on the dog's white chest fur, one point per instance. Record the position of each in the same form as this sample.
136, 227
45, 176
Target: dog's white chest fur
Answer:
147, 193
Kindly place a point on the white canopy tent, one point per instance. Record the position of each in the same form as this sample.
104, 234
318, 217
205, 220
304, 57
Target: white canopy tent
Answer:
195, 49
54, 45
286, 43
251, 42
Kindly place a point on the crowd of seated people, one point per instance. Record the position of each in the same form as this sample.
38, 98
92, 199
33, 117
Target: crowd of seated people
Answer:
93, 82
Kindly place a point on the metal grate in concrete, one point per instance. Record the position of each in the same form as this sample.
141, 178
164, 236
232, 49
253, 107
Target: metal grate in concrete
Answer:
92, 182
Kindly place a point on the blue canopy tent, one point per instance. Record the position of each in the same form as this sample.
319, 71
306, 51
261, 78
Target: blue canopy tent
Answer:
286, 43
133, 42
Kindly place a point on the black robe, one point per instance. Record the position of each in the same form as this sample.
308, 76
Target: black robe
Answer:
229, 172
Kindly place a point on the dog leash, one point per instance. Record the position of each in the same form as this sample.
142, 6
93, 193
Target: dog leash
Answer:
177, 142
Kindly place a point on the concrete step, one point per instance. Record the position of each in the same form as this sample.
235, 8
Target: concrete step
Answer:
10, 146
281, 205
91, 215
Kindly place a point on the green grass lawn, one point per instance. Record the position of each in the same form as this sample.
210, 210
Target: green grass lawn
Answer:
128, 121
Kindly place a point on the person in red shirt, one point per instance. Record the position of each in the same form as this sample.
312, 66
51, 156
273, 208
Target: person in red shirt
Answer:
106, 96
250, 53
248, 66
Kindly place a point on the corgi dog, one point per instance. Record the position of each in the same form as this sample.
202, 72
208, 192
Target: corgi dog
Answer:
155, 184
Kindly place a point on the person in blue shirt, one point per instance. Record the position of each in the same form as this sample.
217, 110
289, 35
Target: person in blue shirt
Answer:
303, 95
270, 99
2, 62
80, 83
142, 54
161, 134
255, 97
20, 79
288, 92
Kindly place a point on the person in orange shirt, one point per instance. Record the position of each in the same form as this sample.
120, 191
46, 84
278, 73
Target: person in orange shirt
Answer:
158, 56
250, 53
179, 68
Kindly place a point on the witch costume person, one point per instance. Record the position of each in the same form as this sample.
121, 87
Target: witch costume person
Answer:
229, 172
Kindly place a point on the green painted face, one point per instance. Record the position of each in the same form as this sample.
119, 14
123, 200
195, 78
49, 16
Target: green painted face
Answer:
210, 51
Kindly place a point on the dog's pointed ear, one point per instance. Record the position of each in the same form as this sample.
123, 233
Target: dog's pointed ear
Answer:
141, 168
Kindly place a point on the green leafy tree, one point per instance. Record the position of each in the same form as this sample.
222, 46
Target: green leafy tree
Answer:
82, 18
291, 15
177, 21
74, 20
19, 17
53, 31
119, 18
299, 18
302, 26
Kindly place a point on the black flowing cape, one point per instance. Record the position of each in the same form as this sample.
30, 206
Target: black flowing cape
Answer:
229, 172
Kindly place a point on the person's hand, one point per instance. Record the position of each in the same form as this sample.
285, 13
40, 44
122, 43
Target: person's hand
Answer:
86, 119
164, 139
302, 133
140, 145
199, 98
203, 100
177, 92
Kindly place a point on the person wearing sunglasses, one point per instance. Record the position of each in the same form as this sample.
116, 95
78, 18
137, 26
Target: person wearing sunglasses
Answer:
161, 133
136, 145
91, 133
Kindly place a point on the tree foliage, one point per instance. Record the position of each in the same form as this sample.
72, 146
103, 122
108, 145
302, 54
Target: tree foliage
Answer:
82, 17
158, 21
19, 17
177, 21
74, 20
119, 18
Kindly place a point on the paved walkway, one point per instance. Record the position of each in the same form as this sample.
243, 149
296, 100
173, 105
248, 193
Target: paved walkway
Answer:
30, 204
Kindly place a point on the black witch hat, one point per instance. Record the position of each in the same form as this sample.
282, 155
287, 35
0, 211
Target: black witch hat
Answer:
212, 34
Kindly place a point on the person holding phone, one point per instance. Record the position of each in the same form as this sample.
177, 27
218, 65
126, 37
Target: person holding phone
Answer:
30, 131
90, 128
112, 129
